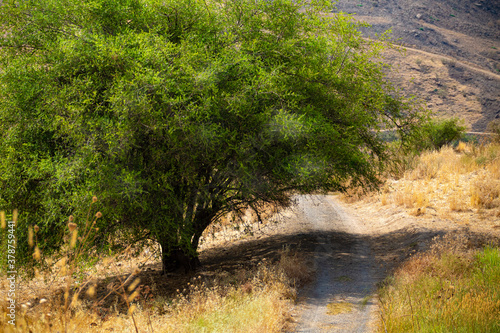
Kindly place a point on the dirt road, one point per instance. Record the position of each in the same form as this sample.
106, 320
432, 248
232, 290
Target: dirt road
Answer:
341, 299
352, 248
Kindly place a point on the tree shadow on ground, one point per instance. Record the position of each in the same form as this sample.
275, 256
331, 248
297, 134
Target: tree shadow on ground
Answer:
388, 251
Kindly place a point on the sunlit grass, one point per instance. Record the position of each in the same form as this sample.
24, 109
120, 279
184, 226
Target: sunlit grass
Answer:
465, 179
455, 286
260, 303
449, 289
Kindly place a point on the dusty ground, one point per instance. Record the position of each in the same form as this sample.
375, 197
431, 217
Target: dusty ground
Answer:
342, 297
351, 247
359, 244
396, 234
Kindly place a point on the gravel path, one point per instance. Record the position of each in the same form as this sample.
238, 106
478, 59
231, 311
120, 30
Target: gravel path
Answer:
341, 299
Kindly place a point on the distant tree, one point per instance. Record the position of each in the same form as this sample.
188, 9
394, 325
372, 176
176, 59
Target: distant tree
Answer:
175, 112
440, 132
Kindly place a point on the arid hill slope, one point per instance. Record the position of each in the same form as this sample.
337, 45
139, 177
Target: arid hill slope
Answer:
452, 60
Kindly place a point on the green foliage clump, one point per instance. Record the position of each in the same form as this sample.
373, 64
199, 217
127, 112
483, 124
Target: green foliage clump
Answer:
175, 112
438, 133
434, 134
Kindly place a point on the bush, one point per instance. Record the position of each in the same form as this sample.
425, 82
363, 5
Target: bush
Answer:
433, 135
494, 128
438, 133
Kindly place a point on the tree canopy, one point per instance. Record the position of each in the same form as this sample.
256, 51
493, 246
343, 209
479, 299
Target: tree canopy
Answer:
175, 112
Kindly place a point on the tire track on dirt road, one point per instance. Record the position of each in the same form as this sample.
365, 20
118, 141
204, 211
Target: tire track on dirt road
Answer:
342, 297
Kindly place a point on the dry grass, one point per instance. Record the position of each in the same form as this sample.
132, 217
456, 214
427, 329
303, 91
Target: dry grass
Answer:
67, 298
451, 288
450, 183
485, 192
259, 301
454, 286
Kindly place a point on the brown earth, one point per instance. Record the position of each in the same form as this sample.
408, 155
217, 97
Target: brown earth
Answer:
452, 59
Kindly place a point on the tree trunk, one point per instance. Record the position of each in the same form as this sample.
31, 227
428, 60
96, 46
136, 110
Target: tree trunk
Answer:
174, 259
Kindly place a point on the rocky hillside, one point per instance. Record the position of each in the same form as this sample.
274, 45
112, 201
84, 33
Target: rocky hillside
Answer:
452, 60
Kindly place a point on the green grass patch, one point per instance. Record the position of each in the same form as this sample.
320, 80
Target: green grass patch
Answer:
338, 308
451, 291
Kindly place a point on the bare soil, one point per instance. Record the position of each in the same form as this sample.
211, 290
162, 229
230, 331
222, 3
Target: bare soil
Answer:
452, 59
341, 298
352, 246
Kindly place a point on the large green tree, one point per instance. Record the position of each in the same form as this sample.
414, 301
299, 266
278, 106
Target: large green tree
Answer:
175, 112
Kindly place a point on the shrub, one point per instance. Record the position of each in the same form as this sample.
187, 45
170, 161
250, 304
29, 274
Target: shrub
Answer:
438, 133
494, 128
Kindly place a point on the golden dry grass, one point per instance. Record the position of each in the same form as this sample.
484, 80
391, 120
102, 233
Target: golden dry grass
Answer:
258, 305
450, 183
258, 300
65, 298
454, 285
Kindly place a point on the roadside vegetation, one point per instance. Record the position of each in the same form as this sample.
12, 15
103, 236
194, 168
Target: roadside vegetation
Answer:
70, 292
453, 287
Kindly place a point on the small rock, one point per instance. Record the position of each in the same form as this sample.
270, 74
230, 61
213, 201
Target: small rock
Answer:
477, 4
418, 16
